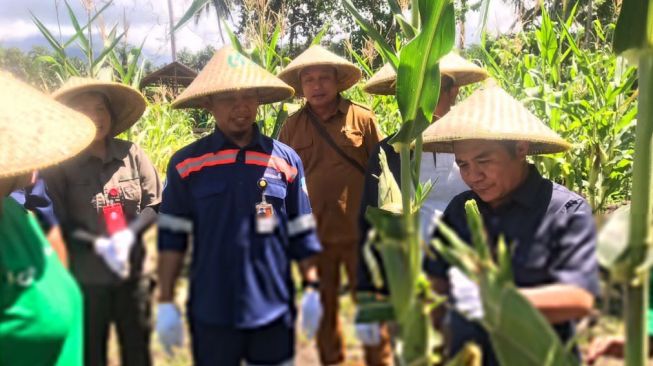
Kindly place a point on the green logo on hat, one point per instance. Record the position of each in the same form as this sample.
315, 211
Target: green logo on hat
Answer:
236, 60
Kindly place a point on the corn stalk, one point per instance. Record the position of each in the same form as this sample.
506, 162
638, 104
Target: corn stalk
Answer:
634, 39
430, 36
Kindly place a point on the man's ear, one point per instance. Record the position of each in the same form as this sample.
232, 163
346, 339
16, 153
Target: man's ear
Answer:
453, 94
521, 149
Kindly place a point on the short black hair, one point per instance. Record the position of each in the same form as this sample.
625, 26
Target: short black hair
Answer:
446, 82
510, 146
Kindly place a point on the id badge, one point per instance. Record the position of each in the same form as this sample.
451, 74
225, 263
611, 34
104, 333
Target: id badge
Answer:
114, 218
265, 219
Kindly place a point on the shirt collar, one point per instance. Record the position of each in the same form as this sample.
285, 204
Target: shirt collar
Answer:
258, 139
343, 105
527, 193
113, 152
341, 109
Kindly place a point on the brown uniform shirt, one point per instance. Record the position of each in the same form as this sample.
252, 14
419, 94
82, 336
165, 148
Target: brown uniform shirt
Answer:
79, 189
334, 185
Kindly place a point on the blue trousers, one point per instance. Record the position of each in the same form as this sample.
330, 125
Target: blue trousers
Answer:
271, 344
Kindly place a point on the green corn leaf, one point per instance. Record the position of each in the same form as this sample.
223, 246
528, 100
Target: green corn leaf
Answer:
84, 42
477, 229
193, 9
372, 307
389, 193
387, 223
520, 335
400, 279
370, 260
407, 28
99, 61
90, 21
395, 7
133, 64
504, 261
282, 115
415, 332
470, 355
634, 31
235, 42
364, 65
613, 238
271, 52
59, 50
320, 35
418, 78
379, 42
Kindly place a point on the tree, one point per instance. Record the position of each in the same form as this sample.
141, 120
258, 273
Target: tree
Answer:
27, 67
197, 60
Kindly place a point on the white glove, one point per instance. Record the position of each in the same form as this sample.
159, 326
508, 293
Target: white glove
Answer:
105, 248
368, 333
311, 312
122, 242
466, 294
169, 326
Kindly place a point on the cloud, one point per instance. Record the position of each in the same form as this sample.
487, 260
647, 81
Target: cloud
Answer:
146, 20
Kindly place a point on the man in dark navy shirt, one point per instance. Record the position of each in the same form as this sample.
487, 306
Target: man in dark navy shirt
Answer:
243, 198
34, 197
550, 230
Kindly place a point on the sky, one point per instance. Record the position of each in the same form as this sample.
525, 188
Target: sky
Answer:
148, 20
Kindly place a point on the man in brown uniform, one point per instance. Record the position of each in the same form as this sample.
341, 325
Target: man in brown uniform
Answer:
334, 138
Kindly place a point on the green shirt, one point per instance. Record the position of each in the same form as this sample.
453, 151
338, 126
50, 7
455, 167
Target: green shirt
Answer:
41, 318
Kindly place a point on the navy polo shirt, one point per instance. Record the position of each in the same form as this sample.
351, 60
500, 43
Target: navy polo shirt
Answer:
35, 198
238, 277
552, 235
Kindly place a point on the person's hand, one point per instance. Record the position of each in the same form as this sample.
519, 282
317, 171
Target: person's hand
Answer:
169, 326
123, 241
606, 346
368, 333
311, 312
104, 248
466, 294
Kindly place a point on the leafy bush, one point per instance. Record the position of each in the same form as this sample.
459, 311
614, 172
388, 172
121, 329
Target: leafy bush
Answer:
162, 131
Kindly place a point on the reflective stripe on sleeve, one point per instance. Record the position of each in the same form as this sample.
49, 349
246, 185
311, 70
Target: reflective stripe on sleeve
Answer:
175, 223
301, 224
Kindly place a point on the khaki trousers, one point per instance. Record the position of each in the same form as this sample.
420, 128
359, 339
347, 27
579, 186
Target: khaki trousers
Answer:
330, 341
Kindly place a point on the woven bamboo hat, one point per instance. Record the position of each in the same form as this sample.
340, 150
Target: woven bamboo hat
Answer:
36, 131
347, 73
229, 71
126, 103
462, 72
491, 114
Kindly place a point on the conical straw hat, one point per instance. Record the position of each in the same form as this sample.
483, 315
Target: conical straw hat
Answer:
491, 114
229, 71
462, 72
36, 131
348, 74
126, 103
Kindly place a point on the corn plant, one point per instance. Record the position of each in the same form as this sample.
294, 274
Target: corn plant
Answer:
586, 95
395, 220
105, 63
633, 37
